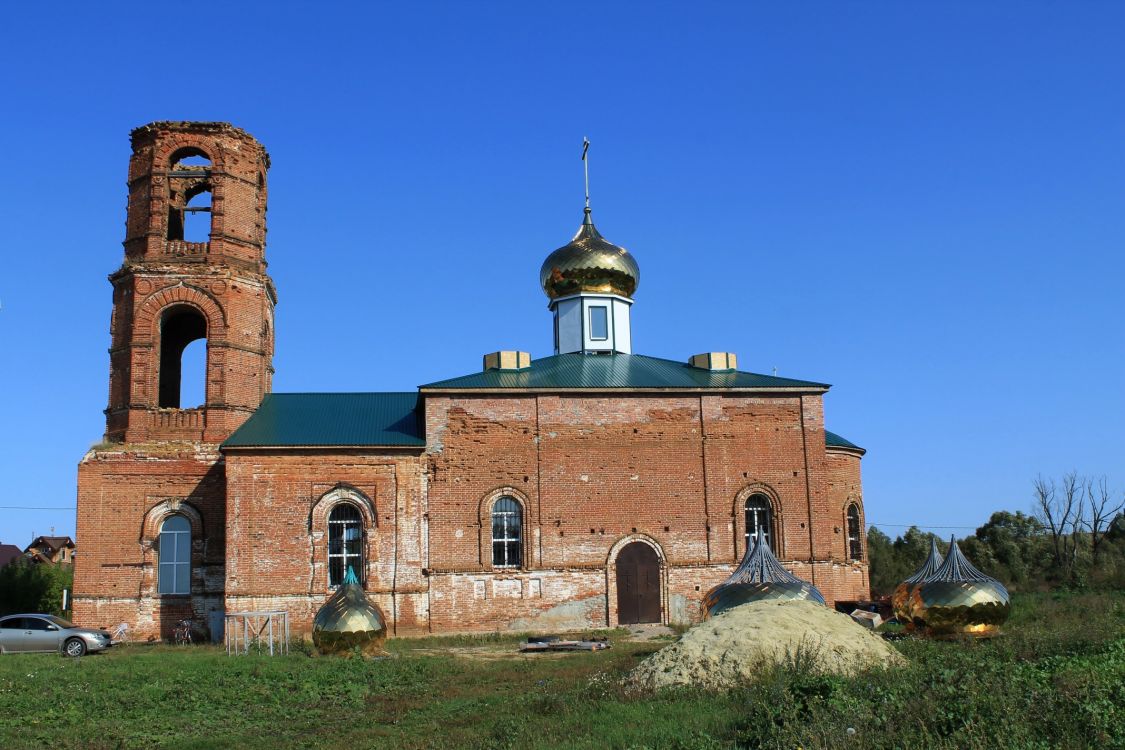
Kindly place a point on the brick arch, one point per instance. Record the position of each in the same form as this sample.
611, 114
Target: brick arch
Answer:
322, 507
611, 613
148, 312
628, 539
858, 503
203, 144
484, 525
738, 515
342, 493
170, 506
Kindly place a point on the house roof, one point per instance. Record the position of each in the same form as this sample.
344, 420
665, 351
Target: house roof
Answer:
618, 371
832, 440
54, 542
8, 553
318, 420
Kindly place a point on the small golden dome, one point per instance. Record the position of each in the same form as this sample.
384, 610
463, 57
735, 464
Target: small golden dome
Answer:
349, 620
758, 577
900, 598
589, 263
958, 599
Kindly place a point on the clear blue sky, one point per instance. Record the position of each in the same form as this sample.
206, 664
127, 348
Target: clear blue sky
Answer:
920, 204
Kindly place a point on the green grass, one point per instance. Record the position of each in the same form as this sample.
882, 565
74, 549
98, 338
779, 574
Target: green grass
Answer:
1056, 679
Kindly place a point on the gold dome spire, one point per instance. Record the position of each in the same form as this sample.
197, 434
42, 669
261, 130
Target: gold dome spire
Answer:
957, 599
589, 263
350, 621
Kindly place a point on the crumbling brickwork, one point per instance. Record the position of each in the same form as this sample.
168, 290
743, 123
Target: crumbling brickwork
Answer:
159, 459
592, 473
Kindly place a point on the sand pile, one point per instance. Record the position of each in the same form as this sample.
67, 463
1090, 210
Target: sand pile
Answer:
735, 646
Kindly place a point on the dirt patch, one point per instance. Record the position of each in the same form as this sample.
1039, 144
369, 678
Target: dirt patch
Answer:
732, 648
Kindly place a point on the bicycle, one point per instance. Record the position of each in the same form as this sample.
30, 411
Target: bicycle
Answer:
181, 634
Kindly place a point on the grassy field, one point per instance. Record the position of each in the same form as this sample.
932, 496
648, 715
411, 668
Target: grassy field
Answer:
1056, 679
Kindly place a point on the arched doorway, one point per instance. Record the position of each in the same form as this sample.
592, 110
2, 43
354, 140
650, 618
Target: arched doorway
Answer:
638, 584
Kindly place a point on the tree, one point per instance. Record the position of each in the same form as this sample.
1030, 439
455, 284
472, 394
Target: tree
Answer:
1104, 508
1059, 510
27, 587
1014, 541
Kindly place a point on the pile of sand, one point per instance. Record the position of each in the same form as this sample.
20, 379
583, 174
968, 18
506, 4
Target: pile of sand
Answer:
735, 646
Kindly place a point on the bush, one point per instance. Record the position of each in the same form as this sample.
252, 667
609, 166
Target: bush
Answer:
27, 587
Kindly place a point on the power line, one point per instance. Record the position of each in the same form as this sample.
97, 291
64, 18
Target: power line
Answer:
37, 507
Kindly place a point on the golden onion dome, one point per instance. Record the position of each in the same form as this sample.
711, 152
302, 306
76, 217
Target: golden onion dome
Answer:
758, 577
900, 597
589, 263
958, 599
350, 621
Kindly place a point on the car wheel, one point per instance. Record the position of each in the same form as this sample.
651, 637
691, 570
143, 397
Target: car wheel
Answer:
75, 647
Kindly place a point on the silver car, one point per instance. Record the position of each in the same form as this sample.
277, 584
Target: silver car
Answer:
39, 632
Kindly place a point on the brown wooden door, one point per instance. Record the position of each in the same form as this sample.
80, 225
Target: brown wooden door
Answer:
638, 584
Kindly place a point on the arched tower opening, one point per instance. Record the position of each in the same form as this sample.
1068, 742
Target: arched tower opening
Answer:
181, 325
189, 196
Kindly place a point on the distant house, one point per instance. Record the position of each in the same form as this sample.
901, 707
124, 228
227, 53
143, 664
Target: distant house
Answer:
8, 553
51, 549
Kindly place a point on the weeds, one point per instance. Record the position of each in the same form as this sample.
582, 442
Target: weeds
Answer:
1056, 679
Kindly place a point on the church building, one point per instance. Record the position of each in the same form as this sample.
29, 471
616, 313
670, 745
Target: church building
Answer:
592, 488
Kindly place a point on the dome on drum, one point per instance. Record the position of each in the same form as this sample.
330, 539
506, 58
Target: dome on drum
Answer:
758, 577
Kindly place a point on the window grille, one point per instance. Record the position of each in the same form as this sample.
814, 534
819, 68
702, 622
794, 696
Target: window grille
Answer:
855, 546
759, 515
345, 543
506, 531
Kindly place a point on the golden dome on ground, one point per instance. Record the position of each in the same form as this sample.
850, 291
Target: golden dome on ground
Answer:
759, 577
350, 621
958, 599
900, 597
589, 263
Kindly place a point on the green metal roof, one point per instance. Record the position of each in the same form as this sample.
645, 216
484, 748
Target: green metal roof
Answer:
332, 419
625, 371
833, 440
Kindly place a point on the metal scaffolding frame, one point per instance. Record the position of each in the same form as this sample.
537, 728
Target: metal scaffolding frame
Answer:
265, 629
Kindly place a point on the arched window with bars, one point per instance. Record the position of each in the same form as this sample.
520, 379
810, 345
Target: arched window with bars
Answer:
759, 515
345, 544
507, 533
855, 543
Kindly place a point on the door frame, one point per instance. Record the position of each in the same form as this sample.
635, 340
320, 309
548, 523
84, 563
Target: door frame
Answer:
611, 617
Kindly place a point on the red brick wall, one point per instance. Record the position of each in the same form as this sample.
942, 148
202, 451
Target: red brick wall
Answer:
168, 457
673, 471
123, 496
277, 511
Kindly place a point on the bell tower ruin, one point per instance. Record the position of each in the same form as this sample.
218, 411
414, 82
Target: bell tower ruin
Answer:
194, 269
152, 495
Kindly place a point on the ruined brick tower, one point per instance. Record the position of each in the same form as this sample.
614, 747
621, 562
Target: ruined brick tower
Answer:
194, 269
176, 287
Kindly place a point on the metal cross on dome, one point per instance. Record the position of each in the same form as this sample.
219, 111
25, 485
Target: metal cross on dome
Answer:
586, 168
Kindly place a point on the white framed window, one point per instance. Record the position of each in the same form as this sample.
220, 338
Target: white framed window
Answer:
599, 323
759, 515
507, 533
345, 543
174, 556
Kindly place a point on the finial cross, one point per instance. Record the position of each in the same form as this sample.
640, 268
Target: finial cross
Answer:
586, 167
